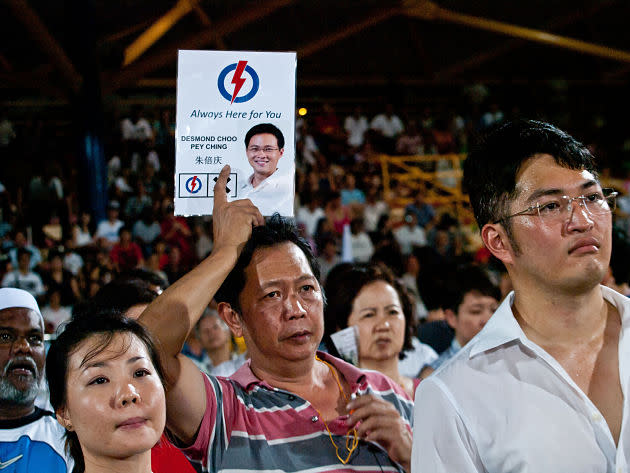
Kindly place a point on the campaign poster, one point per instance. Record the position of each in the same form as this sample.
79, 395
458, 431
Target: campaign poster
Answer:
236, 108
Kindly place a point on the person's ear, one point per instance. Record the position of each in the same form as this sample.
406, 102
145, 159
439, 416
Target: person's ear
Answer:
64, 419
281, 151
231, 318
495, 238
451, 318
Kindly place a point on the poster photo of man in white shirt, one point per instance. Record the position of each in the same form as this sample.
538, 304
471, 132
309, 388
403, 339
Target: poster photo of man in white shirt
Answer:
269, 188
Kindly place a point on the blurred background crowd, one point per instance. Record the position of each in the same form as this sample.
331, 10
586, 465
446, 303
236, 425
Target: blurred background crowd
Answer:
52, 244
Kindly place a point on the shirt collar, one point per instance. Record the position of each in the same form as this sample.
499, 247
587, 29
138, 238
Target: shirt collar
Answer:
266, 182
503, 327
246, 378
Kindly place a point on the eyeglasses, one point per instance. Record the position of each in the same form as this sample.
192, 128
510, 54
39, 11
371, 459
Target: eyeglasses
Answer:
266, 149
554, 209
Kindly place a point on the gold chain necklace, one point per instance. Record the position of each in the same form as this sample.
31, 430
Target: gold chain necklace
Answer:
355, 439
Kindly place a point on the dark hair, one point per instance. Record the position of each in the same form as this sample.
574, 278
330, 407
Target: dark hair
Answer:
343, 284
468, 279
277, 230
491, 167
265, 128
23, 251
145, 275
121, 294
104, 323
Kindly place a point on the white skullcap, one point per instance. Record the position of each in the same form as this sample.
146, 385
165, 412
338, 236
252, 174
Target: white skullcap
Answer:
11, 297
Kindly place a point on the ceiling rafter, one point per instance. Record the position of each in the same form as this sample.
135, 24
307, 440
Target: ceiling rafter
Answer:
158, 29
49, 45
427, 10
488, 55
168, 55
371, 19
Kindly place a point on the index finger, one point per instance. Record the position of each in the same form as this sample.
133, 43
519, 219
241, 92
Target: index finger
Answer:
219, 187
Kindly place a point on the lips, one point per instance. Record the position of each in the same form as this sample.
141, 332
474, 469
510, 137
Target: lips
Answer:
297, 335
21, 366
132, 423
585, 245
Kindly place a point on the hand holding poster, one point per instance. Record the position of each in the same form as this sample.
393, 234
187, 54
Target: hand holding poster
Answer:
236, 108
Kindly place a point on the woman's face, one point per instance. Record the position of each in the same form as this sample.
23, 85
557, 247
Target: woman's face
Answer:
115, 400
378, 315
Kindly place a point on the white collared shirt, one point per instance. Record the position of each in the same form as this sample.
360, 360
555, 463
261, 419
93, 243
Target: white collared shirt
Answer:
503, 404
274, 194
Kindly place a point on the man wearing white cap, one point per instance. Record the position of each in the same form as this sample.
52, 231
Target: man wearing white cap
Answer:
30, 438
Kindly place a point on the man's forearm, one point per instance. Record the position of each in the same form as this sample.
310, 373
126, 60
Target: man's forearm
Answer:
172, 316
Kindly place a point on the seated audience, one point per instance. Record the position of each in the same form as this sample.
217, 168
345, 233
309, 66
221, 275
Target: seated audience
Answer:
220, 354
473, 299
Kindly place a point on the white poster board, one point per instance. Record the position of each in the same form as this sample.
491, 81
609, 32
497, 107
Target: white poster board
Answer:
222, 98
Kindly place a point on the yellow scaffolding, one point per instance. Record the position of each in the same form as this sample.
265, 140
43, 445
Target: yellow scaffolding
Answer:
439, 176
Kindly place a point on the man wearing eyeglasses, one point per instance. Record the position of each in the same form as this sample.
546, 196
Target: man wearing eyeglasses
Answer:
266, 188
541, 387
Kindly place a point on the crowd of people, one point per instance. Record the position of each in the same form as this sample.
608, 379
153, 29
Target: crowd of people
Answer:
235, 351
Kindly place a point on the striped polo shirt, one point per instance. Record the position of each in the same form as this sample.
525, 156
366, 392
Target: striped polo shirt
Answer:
250, 426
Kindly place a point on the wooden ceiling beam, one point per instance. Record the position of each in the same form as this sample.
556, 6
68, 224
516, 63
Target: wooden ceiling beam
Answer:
484, 56
49, 45
207, 23
427, 10
369, 20
168, 55
157, 30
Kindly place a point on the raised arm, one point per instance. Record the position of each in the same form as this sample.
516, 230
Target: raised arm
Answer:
175, 312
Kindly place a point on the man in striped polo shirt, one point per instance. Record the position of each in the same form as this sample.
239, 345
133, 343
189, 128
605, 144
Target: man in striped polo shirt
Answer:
289, 408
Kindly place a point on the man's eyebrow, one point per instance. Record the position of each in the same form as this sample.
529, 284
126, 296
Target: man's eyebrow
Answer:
273, 282
552, 191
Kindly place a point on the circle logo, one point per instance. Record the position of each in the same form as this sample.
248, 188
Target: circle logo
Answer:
239, 78
193, 185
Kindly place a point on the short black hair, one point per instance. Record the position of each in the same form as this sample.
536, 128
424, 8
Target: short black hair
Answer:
265, 128
275, 231
492, 165
104, 323
468, 279
121, 294
23, 251
343, 284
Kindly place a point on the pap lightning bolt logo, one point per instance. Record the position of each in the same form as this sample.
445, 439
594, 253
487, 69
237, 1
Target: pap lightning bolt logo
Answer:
193, 185
237, 80
240, 72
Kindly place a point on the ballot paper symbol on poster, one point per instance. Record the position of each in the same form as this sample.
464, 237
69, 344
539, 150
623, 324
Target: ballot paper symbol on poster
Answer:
228, 189
244, 79
193, 185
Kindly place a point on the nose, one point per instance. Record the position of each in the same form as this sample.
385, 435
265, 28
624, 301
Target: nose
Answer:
127, 395
294, 307
383, 324
21, 345
580, 219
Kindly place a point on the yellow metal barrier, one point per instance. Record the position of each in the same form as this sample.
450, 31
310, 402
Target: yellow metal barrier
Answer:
438, 176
